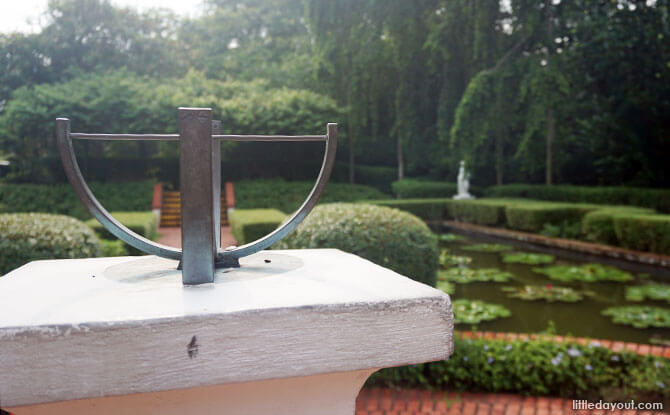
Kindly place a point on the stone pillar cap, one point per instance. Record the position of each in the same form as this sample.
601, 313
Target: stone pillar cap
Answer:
82, 328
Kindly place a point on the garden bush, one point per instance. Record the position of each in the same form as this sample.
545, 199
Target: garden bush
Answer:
388, 237
538, 367
532, 216
480, 212
426, 209
644, 232
60, 198
288, 196
598, 225
247, 225
142, 223
419, 188
658, 199
26, 237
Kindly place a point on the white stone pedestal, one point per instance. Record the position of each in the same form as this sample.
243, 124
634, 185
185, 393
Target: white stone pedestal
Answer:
291, 332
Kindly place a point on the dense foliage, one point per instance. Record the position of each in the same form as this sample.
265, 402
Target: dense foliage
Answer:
526, 91
144, 224
388, 237
26, 237
538, 367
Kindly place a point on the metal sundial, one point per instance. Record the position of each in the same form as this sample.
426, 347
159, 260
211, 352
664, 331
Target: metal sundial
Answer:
200, 183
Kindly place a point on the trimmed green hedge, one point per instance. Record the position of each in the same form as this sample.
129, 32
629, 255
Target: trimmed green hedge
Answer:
644, 232
598, 225
142, 223
531, 216
288, 196
538, 367
478, 211
60, 198
247, 225
658, 199
419, 188
385, 236
26, 237
426, 209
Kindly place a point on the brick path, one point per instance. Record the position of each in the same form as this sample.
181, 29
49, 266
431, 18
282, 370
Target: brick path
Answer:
423, 402
617, 346
172, 237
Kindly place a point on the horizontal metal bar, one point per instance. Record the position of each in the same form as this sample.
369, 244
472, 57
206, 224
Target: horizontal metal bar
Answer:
126, 137
270, 137
175, 137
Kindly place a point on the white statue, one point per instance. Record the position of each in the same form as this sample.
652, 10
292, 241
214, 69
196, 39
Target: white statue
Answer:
463, 183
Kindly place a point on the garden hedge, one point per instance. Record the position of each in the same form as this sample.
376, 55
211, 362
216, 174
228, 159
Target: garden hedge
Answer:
288, 196
60, 198
26, 237
247, 225
419, 188
598, 225
478, 211
658, 199
538, 367
426, 209
532, 216
142, 223
388, 237
644, 232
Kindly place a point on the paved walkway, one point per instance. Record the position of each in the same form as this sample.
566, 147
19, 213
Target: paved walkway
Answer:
172, 237
423, 402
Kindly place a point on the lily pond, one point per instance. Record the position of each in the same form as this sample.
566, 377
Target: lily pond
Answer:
499, 285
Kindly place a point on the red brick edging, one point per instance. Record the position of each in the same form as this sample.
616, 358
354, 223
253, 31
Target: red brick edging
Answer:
615, 346
568, 244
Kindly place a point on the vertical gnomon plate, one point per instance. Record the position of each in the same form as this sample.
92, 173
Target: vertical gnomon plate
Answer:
200, 184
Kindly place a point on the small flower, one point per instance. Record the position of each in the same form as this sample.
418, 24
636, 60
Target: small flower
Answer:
508, 347
615, 358
595, 344
658, 364
486, 347
588, 367
660, 384
491, 360
549, 286
465, 358
574, 352
555, 361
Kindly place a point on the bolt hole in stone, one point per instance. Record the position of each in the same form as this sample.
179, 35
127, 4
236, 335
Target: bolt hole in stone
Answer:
192, 348
267, 261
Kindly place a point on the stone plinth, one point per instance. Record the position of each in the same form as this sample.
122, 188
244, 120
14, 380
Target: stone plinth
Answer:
290, 332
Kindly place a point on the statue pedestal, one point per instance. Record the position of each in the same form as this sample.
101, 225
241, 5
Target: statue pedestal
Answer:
466, 196
291, 332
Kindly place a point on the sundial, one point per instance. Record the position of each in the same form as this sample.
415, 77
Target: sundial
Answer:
200, 187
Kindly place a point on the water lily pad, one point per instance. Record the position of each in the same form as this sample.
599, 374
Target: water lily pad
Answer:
467, 275
546, 292
447, 259
648, 291
529, 258
585, 273
488, 248
446, 286
639, 316
475, 311
450, 237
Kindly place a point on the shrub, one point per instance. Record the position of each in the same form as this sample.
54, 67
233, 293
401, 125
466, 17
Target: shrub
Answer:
419, 188
644, 232
658, 199
533, 216
142, 223
385, 236
480, 212
538, 367
26, 237
598, 226
60, 198
426, 209
247, 225
288, 196
113, 248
